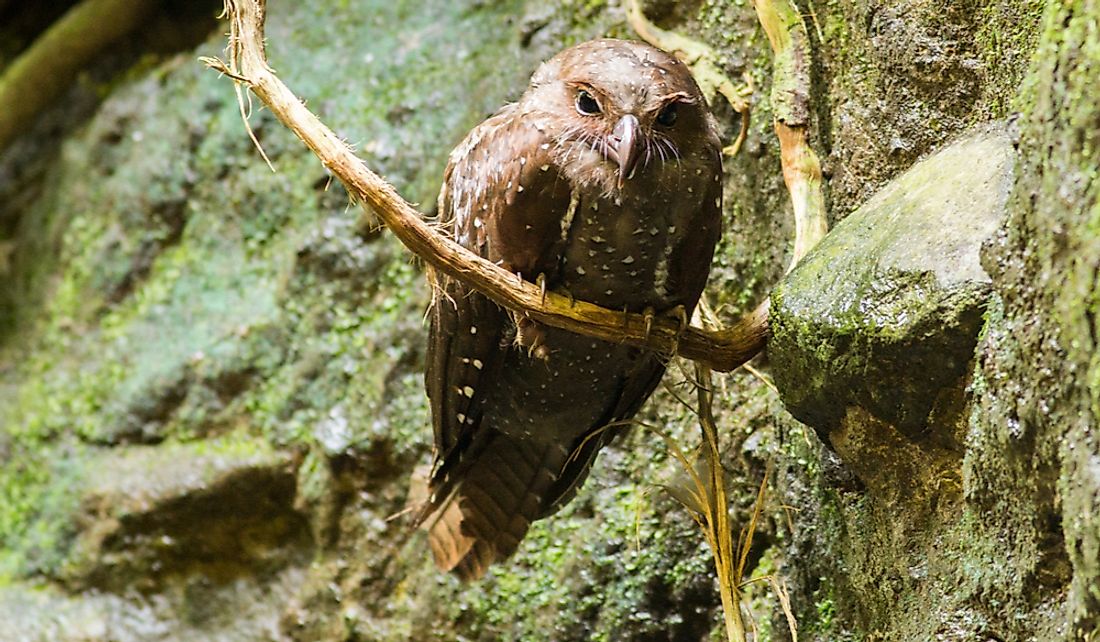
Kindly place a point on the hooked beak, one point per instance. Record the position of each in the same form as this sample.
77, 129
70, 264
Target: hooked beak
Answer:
625, 147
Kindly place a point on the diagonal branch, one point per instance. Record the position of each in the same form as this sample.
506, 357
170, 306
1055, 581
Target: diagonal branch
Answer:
721, 350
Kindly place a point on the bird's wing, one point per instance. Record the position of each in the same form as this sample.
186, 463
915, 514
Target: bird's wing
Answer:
635, 390
504, 202
689, 264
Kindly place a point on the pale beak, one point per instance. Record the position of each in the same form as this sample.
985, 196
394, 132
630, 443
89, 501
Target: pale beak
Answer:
625, 147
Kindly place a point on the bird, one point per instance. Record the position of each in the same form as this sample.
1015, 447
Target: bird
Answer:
603, 181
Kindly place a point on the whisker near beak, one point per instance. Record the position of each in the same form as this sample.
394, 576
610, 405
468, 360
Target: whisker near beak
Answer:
625, 146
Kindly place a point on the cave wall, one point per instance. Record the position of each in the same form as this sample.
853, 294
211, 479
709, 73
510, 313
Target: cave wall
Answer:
191, 328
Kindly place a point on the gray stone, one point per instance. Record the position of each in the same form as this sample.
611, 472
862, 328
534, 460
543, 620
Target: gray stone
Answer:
883, 315
159, 517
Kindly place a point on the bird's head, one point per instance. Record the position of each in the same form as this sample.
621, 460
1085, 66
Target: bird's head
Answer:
617, 110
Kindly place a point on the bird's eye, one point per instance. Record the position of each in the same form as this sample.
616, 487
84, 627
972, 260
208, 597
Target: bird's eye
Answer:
586, 104
667, 116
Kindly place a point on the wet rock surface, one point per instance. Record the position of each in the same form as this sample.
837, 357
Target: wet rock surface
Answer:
219, 510
207, 536
883, 315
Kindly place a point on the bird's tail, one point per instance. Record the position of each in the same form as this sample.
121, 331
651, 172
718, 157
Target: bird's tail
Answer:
483, 517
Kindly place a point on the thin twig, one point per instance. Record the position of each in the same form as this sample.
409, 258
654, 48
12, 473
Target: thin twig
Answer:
718, 531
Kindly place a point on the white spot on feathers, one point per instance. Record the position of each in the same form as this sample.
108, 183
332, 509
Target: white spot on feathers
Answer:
660, 273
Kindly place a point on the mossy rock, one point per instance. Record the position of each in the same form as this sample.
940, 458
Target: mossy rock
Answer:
884, 313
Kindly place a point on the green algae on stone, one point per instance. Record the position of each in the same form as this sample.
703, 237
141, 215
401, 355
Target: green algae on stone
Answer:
900, 79
1035, 446
230, 612
884, 313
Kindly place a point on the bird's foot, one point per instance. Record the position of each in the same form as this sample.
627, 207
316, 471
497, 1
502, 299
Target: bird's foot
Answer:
649, 314
532, 336
679, 314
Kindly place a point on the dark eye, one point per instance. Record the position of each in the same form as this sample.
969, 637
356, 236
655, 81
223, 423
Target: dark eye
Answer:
667, 116
586, 104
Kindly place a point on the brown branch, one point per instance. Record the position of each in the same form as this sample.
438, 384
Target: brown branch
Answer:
720, 350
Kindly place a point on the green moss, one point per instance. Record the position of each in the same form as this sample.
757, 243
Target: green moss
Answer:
1007, 35
826, 611
39, 489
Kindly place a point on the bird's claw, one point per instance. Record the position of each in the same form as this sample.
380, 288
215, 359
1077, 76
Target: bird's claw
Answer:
540, 281
679, 314
532, 336
649, 314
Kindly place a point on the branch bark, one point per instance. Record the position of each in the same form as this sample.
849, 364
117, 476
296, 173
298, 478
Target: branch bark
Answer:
722, 350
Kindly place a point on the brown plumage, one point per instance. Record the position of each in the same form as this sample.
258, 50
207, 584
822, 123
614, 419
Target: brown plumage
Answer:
604, 180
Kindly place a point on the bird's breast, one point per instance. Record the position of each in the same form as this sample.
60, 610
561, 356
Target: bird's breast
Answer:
620, 251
